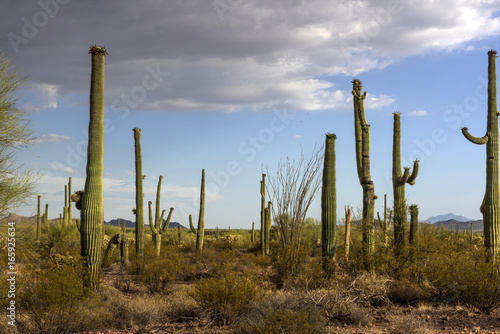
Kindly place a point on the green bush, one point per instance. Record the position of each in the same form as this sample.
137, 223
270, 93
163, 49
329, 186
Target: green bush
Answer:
228, 294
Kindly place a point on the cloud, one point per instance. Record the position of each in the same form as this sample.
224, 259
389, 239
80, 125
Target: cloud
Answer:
297, 136
47, 96
258, 54
418, 113
50, 138
60, 167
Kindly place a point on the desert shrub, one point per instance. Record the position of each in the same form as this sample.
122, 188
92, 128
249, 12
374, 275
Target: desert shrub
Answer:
225, 296
287, 262
182, 308
276, 321
63, 239
465, 275
55, 301
284, 312
407, 324
405, 292
160, 272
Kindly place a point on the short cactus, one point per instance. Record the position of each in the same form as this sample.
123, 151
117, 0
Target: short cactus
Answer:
156, 227
201, 218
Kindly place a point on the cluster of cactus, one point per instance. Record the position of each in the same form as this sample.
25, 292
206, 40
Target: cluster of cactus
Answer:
92, 212
118, 240
362, 144
329, 205
156, 227
491, 200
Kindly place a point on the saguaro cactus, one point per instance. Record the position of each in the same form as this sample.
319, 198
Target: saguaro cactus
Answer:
399, 179
252, 236
201, 218
413, 224
263, 214
267, 227
362, 134
329, 205
348, 216
92, 212
156, 228
491, 201
139, 197
70, 207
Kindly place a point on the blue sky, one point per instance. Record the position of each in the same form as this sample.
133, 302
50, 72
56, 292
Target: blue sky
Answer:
232, 86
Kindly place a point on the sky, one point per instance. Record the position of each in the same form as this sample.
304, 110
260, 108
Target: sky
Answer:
233, 86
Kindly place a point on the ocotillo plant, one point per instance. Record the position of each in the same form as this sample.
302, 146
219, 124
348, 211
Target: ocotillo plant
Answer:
139, 197
362, 144
413, 224
329, 205
262, 213
385, 225
38, 222
156, 228
491, 201
201, 218
92, 211
399, 179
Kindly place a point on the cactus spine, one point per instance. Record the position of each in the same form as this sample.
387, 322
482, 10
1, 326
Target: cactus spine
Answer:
92, 212
201, 218
399, 179
139, 197
156, 228
329, 205
263, 214
491, 200
362, 136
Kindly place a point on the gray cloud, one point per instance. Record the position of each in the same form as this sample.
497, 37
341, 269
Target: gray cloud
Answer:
260, 53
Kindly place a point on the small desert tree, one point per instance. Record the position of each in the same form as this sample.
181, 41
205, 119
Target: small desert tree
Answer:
291, 190
16, 187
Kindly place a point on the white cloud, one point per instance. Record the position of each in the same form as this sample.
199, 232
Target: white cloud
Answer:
60, 167
297, 136
47, 96
418, 113
50, 138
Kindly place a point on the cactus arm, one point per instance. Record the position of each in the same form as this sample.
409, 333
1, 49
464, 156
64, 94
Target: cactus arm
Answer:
475, 140
167, 222
191, 226
158, 220
151, 225
414, 173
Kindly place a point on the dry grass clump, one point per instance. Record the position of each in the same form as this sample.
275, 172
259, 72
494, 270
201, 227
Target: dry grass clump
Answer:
407, 324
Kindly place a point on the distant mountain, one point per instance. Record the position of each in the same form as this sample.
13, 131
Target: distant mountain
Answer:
449, 216
453, 224
131, 224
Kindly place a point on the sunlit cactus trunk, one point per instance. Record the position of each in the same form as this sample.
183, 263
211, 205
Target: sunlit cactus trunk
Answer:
329, 206
139, 197
70, 207
399, 179
490, 206
92, 211
385, 225
252, 236
362, 136
348, 216
413, 224
38, 221
201, 218
267, 227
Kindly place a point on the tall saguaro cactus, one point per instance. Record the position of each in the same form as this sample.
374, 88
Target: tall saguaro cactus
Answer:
362, 135
38, 221
491, 202
70, 207
267, 227
139, 197
329, 205
201, 218
399, 179
92, 211
156, 227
